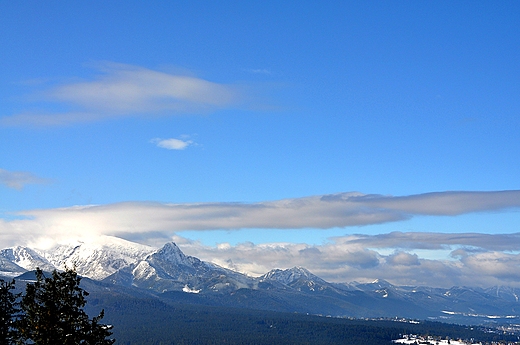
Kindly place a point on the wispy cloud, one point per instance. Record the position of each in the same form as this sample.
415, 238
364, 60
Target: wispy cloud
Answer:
172, 143
19, 179
125, 90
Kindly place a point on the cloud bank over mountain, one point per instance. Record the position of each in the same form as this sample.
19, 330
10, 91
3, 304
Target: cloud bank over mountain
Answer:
473, 259
404, 258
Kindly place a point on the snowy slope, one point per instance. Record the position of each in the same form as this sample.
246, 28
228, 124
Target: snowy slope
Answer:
300, 279
9, 269
26, 258
169, 269
99, 258
291, 275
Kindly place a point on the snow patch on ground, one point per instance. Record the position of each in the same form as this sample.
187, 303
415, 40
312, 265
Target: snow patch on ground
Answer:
187, 289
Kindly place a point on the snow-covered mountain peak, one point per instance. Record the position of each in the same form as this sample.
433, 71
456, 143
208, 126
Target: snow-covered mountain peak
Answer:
171, 253
170, 247
374, 285
16, 253
381, 283
301, 270
290, 275
97, 258
9, 269
26, 258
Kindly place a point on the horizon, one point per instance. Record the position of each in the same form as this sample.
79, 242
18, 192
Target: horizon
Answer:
358, 140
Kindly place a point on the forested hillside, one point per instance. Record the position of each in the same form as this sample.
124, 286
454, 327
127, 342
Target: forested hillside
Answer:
152, 322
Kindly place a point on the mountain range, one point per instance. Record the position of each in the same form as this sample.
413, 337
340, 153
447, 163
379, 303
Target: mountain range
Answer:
123, 268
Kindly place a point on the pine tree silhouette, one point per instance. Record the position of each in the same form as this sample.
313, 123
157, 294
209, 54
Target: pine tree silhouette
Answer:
52, 313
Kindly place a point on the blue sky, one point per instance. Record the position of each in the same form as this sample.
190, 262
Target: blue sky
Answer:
182, 111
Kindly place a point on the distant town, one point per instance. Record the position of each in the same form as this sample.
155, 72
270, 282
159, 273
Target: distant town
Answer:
430, 340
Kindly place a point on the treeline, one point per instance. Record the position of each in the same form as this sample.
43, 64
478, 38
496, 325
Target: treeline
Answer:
147, 323
153, 322
49, 312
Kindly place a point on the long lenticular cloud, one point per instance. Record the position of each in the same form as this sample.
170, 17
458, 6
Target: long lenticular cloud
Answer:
434, 241
322, 212
447, 203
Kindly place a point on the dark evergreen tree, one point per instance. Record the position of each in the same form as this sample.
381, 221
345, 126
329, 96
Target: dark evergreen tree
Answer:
8, 312
52, 313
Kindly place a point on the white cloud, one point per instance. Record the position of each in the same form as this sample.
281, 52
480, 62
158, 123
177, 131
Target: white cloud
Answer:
19, 179
126, 90
172, 143
403, 259
322, 212
346, 260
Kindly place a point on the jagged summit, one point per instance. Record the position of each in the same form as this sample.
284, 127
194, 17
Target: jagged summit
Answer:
298, 278
375, 284
170, 252
169, 269
26, 258
289, 276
